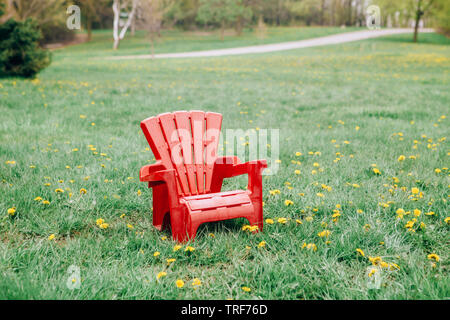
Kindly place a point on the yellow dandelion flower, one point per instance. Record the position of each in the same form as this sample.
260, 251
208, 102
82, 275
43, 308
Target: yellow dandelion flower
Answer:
196, 282
156, 254
51, 237
433, 256
11, 211
246, 289
358, 250
288, 202
282, 220
324, 233
83, 191
269, 221
262, 244
189, 249
401, 158
176, 247
161, 274
179, 283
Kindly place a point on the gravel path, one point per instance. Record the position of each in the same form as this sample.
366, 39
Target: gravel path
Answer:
327, 40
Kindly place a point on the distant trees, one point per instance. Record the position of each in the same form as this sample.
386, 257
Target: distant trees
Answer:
224, 13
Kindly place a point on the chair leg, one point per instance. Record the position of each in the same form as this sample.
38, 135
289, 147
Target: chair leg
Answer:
160, 205
257, 217
178, 224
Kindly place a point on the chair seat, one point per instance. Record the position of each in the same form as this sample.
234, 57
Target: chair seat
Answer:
217, 200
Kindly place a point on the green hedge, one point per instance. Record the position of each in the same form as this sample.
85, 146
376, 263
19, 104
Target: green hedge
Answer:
20, 54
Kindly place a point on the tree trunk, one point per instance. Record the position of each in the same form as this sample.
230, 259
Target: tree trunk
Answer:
89, 27
222, 30
419, 14
116, 11
239, 26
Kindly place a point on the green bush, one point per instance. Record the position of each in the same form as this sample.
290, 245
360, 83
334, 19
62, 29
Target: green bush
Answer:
20, 54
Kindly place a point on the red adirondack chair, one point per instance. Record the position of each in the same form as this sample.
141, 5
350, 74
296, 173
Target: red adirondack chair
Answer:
187, 176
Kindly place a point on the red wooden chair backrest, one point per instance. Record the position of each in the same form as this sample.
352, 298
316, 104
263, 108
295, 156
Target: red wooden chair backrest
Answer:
187, 142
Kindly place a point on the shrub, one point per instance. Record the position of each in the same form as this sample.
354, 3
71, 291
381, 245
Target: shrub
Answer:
20, 54
55, 31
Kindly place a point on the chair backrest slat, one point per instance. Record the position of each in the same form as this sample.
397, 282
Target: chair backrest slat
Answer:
213, 125
183, 123
170, 132
198, 128
187, 142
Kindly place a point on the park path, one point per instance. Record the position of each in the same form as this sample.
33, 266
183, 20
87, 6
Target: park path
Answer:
315, 42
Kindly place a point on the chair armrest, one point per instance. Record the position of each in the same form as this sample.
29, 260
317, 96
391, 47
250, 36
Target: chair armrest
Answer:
168, 177
147, 171
228, 167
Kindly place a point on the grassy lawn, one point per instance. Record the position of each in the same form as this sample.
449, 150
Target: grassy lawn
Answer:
178, 41
342, 111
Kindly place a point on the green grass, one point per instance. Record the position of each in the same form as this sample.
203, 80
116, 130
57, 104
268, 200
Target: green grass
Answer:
316, 97
177, 41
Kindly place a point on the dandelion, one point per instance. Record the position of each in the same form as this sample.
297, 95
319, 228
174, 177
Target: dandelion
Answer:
38, 199
274, 192
417, 212
269, 221
176, 247
288, 202
282, 220
129, 226
51, 237
415, 190
359, 251
262, 244
179, 283
401, 158
59, 190
246, 289
196, 282
433, 256
99, 221
104, 225
46, 202
11, 211
83, 191
376, 171
447, 220
189, 249
170, 260
324, 233
161, 274
156, 254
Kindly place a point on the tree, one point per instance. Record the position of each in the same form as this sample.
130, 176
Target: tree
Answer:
91, 10
421, 8
149, 16
441, 12
129, 7
222, 13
